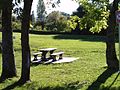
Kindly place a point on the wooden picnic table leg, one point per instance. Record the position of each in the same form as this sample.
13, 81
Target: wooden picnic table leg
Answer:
60, 56
54, 57
43, 57
51, 52
35, 57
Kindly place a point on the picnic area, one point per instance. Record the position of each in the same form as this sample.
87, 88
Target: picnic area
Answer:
79, 74
59, 45
47, 56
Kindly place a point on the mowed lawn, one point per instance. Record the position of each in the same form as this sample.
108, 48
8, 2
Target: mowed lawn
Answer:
78, 75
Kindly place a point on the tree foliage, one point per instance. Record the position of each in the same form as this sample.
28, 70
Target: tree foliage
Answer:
41, 10
55, 21
17, 9
53, 3
79, 12
73, 20
100, 14
96, 15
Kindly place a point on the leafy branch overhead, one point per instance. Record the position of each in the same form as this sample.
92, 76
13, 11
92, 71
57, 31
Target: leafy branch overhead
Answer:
53, 3
18, 1
95, 17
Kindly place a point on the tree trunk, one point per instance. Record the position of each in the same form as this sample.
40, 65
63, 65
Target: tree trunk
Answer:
8, 63
25, 74
111, 57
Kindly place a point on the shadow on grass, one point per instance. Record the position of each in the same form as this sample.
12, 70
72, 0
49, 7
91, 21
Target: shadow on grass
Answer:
33, 86
102, 78
91, 38
14, 85
71, 86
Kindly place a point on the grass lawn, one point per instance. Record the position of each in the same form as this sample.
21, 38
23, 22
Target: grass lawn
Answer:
88, 71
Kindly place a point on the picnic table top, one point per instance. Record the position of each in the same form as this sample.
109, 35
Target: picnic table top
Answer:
48, 49
37, 53
57, 53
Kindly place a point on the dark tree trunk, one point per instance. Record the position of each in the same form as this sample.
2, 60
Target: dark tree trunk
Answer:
8, 63
111, 57
42, 25
25, 74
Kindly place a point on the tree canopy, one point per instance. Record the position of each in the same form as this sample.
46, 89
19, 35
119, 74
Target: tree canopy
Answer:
41, 10
95, 15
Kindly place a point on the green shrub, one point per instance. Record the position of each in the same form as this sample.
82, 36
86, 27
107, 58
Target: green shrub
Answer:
37, 28
58, 26
16, 25
57, 22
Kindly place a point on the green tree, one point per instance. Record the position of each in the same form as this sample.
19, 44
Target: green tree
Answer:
52, 19
41, 12
8, 63
57, 21
79, 12
111, 57
26, 57
101, 15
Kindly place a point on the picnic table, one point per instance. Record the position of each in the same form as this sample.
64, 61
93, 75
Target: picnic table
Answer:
36, 55
48, 54
45, 51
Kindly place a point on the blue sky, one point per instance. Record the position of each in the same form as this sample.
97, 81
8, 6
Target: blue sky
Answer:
67, 6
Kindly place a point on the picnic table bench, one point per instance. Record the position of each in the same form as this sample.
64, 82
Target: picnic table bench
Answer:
59, 54
36, 55
45, 51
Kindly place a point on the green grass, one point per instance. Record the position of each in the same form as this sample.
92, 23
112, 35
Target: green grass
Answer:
78, 75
